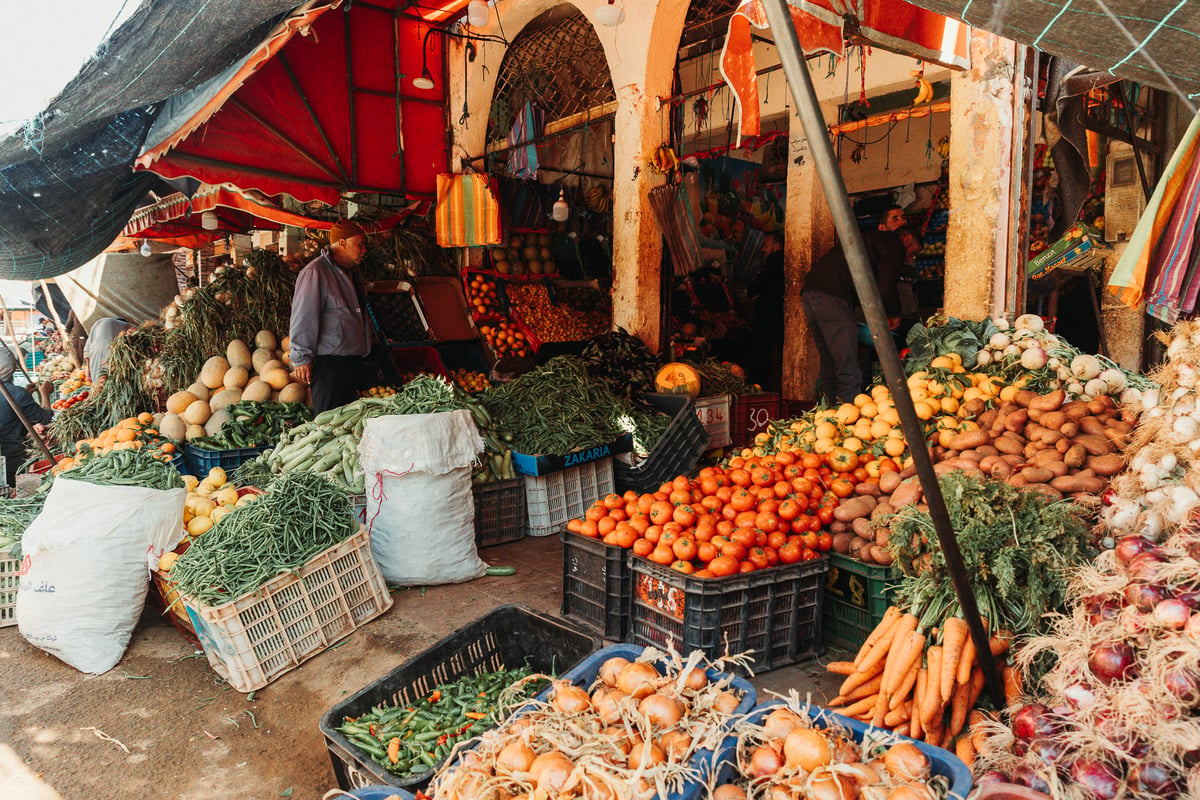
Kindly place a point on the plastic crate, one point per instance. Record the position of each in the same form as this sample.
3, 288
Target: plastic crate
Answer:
596, 585
856, 597
774, 612
674, 454
397, 312
553, 500
714, 415
261, 635
750, 414
9, 579
173, 608
199, 460
499, 512
505, 638
942, 762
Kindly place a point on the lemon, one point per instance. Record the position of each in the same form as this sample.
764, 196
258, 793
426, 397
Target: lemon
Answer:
217, 477
199, 525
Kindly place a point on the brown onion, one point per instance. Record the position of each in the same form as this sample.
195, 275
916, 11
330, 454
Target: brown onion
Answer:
570, 699
729, 791
913, 791
830, 786
780, 722
638, 679
727, 702
661, 711
607, 703
516, 756
645, 753
860, 774
551, 771
906, 762
807, 749
696, 679
675, 743
765, 760
611, 668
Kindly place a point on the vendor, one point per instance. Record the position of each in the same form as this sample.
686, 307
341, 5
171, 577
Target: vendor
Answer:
99, 344
12, 431
330, 330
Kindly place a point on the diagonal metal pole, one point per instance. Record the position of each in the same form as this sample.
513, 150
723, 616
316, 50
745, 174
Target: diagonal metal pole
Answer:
809, 111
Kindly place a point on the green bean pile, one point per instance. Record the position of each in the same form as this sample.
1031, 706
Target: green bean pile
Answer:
299, 516
716, 378
254, 424
646, 425
129, 467
556, 408
16, 514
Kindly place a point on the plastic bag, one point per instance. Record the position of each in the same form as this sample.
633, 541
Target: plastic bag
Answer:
86, 568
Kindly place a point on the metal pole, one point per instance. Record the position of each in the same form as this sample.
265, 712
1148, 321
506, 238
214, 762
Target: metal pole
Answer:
12, 402
12, 333
809, 111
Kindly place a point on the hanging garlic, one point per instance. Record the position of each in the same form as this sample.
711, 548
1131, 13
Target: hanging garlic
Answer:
1176, 347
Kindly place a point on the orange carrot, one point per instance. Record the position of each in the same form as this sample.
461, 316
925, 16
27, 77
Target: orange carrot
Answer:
898, 715
954, 638
958, 707
898, 661
859, 678
889, 618
962, 673
908, 679
861, 709
965, 750
1000, 641
841, 667
975, 723
896, 634
914, 728
1012, 685
933, 701
868, 688
977, 684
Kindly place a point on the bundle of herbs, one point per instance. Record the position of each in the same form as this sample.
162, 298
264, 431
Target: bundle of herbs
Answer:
622, 361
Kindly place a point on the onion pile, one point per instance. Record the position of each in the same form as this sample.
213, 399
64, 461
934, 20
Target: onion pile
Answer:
786, 756
630, 736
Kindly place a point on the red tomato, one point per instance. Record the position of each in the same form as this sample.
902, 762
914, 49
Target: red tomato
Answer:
809, 555
758, 557
811, 540
825, 515
841, 487
789, 509
842, 460
824, 542
789, 553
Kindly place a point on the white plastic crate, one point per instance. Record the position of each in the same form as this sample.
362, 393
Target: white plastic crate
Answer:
714, 413
9, 567
553, 500
259, 636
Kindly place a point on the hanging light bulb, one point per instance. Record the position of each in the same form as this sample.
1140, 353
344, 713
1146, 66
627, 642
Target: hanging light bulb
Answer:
561, 211
610, 15
477, 13
425, 81
146, 251
208, 220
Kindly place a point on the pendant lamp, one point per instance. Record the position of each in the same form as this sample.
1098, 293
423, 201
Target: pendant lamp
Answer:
146, 251
477, 13
208, 220
610, 15
561, 211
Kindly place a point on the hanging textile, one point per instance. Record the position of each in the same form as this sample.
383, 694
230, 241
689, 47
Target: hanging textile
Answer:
674, 215
468, 212
1174, 252
522, 142
1131, 276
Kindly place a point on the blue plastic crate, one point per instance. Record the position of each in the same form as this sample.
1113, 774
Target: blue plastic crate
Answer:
199, 461
942, 762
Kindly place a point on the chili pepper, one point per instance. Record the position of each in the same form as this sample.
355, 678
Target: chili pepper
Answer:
435, 696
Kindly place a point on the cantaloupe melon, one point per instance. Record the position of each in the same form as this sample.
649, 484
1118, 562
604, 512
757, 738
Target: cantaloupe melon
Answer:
265, 339
172, 426
258, 390
286, 344
236, 377
219, 418
197, 413
195, 432
260, 357
238, 354
287, 357
224, 398
293, 393
214, 371
677, 378
274, 363
278, 378
178, 402
200, 391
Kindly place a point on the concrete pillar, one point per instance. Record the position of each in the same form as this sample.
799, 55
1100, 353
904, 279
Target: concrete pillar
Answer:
981, 137
1124, 327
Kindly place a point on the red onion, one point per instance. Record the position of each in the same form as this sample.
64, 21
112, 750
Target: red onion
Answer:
1103, 611
1108, 498
1144, 597
1112, 661
1145, 566
1048, 750
1190, 596
1096, 777
1129, 547
1192, 627
1171, 613
1025, 776
992, 776
1079, 695
1032, 722
1154, 779
1183, 686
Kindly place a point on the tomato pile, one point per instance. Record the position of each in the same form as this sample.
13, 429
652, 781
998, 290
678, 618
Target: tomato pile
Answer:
483, 295
506, 339
555, 323
751, 514
75, 389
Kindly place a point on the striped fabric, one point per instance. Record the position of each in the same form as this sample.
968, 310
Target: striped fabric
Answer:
1173, 256
522, 142
468, 212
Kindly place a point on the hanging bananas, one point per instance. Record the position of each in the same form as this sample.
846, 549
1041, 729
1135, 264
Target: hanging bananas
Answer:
596, 199
663, 160
924, 88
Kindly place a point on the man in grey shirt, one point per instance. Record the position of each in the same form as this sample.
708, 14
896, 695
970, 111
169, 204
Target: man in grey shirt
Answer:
99, 344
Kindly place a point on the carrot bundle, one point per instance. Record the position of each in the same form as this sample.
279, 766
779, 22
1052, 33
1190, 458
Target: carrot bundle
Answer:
902, 680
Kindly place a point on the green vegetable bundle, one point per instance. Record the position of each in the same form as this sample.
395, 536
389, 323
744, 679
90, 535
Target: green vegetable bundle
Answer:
128, 467
299, 516
254, 424
622, 361
16, 514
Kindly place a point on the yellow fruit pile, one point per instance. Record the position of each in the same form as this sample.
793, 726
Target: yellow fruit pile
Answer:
208, 500
469, 380
378, 391
506, 339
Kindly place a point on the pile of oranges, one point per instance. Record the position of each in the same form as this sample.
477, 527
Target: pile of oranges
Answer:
506, 340
469, 380
483, 296
130, 433
752, 514
556, 323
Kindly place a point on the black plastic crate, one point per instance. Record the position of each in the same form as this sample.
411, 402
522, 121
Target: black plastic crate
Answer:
499, 512
676, 453
506, 638
774, 612
397, 312
596, 585
199, 460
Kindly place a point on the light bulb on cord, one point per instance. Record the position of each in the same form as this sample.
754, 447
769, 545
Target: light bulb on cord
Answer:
477, 13
423, 82
561, 211
146, 251
208, 220
610, 15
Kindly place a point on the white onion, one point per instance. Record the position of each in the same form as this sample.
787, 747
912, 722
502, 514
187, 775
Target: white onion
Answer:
999, 341
1168, 462
1184, 429
1176, 347
1001, 323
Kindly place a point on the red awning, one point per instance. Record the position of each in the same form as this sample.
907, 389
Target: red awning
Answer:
820, 26
325, 105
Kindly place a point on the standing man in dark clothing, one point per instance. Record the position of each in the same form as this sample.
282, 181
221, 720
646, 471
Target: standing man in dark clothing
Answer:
330, 330
12, 431
767, 288
829, 301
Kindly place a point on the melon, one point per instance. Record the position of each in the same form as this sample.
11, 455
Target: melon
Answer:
278, 377
224, 399
286, 344
197, 413
265, 340
200, 391
274, 397
259, 357
219, 418
156, 418
195, 432
293, 393
274, 363
172, 426
258, 390
287, 358
214, 371
236, 377
178, 402
238, 354
677, 378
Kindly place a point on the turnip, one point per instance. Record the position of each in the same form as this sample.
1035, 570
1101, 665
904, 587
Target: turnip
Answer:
1001, 323
983, 358
1085, 367
1031, 323
999, 341
1114, 378
1095, 387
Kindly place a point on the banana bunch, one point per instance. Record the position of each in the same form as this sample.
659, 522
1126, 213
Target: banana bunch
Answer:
663, 160
597, 200
924, 88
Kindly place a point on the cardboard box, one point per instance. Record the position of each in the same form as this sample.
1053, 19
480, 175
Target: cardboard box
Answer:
1082, 248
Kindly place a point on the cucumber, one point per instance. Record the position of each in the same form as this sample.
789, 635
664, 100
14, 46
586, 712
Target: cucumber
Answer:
500, 572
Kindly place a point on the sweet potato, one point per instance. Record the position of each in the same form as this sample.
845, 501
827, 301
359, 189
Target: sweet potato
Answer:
1095, 445
882, 512
867, 488
973, 408
969, 440
1063, 445
1069, 484
1031, 449
1076, 410
841, 543
1107, 465
906, 494
882, 535
1075, 456
945, 468
1069, 429
1046, 402
1049, 491
888, 481
1056, 468
987, 450
1046, 456
970, 455
1016, 480
1009, 443
880, 555
1053, 419
863, 553
838, 526
1118, 426
1097, 406
999, 469
987, 418
857, 543
1024, 397
1037, 474
862, 527
1016, 421
851, 508
1092, 425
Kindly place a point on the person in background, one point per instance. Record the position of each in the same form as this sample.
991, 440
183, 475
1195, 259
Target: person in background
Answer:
77, 335
99, 344
909, 310
893, 219
330, 330
12, 431
767, 289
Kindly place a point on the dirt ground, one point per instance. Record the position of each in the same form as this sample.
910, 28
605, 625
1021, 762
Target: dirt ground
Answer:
163, 725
